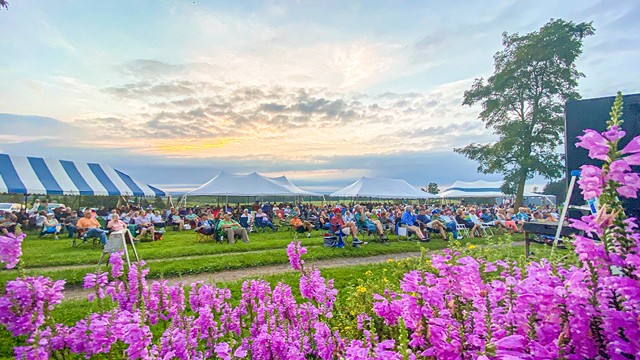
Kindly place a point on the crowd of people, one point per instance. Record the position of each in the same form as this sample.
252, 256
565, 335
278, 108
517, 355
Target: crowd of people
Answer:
373, 219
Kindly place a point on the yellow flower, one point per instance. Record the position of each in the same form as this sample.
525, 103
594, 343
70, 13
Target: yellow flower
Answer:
390, 261
385, 280
361, 289
384, 270
368, 273
471, 246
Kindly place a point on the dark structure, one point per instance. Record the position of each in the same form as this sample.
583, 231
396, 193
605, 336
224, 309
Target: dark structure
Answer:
593, 114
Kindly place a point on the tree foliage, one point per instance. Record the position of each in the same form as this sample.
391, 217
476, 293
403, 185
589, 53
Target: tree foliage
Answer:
432, 188
557, 188
4, 4
522, 102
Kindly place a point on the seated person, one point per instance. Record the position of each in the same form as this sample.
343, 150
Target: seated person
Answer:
176, 219
204, 226
301, 226
40, 218
50, 226
265, 220
448, 220
70, 223
338, 225
144, 225
323, 220
426, 223
461, 219
116, 224
408, 220
191, 218
156, 219
231, 228
508, 224
363, 221
385, 220
246, 218
8, 223
90, 228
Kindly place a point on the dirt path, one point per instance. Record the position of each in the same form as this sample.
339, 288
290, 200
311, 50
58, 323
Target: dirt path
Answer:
240, 274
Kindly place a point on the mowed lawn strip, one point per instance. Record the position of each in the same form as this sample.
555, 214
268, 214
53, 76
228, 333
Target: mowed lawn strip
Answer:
213, 263
46, 252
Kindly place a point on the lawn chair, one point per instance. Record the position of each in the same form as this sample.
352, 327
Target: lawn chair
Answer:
79, 240
461, 228
244, 222
259, 224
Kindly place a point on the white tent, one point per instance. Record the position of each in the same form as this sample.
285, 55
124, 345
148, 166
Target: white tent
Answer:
283, 181
252, 184
381, 188
478, 189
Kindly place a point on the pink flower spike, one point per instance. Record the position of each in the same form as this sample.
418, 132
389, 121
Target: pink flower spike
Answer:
633, 146
614, 133
597, 145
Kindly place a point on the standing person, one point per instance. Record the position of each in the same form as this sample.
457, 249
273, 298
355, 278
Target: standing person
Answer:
91, 227
231, 228
300, 226
338, 225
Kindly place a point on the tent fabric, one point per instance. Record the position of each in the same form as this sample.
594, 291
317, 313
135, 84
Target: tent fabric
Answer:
382, 188
283, 181
479, 189
252, 184
45, 176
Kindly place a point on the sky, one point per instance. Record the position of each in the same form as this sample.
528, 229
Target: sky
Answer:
173, 92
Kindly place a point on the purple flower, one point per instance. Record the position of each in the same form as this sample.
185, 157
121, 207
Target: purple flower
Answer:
614, 133
597, 145
11, 249
295, 251
591, 182
633, 146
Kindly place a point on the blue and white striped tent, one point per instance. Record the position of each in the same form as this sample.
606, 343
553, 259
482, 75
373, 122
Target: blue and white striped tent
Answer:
32, 175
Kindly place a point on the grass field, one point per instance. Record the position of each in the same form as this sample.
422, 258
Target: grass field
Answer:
179, 254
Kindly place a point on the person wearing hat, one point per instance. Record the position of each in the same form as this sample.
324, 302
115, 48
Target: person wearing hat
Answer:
50, 226
338, 225
231, 228
300, 226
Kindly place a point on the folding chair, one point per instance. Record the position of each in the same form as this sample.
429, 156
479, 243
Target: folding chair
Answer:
259, 224
462, 229
244, 222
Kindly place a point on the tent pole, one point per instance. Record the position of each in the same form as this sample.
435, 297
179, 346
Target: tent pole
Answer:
79, 201
26, 201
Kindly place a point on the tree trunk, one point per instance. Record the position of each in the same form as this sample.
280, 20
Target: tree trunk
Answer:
520, 190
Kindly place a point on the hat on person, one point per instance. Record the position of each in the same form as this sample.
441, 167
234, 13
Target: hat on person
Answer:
435, 211
49, 214
337, 211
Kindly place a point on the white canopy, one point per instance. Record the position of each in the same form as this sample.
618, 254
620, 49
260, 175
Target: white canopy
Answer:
252, 184
284, 182
382, 188
478, 189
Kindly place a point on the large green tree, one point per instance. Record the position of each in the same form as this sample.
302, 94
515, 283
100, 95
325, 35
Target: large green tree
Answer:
432, 188
522, 102
4, 4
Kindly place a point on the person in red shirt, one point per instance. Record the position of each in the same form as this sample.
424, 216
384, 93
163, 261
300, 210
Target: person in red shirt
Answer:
338, 224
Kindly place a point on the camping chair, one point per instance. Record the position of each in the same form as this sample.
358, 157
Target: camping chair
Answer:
78, 240
259, 224
244, 222
486, 229
203, 237
333, 239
